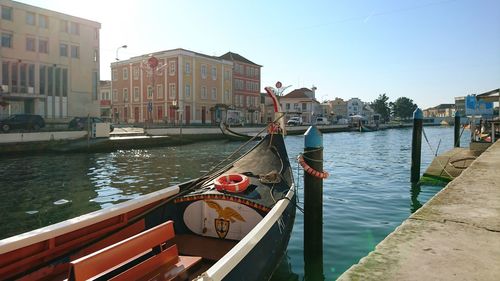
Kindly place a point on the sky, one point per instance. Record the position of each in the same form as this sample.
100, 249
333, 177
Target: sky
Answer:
429, 51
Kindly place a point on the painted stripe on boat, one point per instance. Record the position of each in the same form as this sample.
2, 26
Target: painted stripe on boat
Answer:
229, 261
51, 231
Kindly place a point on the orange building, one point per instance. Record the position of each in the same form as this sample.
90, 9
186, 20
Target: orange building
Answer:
183, 87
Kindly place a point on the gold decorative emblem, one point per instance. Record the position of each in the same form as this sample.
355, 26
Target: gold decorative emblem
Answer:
227, 215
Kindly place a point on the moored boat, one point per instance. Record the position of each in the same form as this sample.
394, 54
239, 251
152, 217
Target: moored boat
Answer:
235, 136
231, 223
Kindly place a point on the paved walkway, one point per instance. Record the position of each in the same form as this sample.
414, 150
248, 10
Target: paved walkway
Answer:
455, 236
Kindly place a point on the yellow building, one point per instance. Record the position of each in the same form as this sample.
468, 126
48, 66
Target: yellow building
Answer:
171, 87
50, 62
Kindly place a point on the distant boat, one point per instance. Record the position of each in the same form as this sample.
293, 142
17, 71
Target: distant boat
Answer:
231, 224
235, 136
366, 128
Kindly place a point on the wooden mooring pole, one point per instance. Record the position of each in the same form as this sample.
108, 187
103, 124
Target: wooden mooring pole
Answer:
313, 206
416, 145
456, 139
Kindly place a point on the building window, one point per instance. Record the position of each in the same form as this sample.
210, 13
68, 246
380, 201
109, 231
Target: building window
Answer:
30, 44
65, 82
214, 73
115, 95
6, 40
304, 106
13, 77
214, 93
204, 93
136, 93
74, 28
150, 92
75, 52
188, 67
43, 46
203, 71
125, 95
22, 78
226, 96
114, 75
50, 81
6, 13
31, 78
188, 91
287, 106
136, 73
125, 73
226, 75
172, 91
43, 21
159, 91
171, 68
96, 55
63, 26
58, 81
30, 18
42, 79
63, 50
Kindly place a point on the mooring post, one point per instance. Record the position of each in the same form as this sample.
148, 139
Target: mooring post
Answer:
416, 145
313, 205
457, 130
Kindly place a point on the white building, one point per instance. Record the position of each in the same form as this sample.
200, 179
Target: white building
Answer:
301, 102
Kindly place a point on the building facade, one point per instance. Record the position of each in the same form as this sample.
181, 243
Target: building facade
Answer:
301, 102
180, 87
339, 108
105, 99
246, 88
442, 110
354, 107
50, 62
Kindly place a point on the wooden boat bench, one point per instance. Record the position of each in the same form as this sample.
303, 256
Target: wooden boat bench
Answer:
135, 257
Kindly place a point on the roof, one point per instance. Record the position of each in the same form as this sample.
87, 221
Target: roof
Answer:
235, 57
298, 93
490, 96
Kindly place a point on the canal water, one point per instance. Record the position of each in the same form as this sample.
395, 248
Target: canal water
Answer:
367, 195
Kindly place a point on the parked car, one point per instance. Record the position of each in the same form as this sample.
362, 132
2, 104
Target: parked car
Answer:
322, 121
294, 121
22, 121
81, 123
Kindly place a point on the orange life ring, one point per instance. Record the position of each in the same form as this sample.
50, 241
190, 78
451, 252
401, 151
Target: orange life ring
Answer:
309, 170
232, 183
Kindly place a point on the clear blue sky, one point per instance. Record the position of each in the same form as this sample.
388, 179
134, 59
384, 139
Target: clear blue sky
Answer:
429, 51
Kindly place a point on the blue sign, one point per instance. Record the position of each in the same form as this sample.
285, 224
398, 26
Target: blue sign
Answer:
150, 106
477, 107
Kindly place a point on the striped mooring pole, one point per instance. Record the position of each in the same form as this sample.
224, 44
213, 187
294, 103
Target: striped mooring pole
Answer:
416, 145
313, 206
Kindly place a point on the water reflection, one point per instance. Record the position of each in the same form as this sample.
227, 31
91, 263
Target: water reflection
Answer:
284, 271
415, 204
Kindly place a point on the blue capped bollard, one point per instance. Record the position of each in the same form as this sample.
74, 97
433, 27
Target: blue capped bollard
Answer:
312, 162
416, 145
456, 139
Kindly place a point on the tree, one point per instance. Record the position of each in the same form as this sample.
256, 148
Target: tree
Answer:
381, 106
403, 108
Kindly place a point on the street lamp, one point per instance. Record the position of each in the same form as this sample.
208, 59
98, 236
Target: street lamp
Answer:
124, 47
